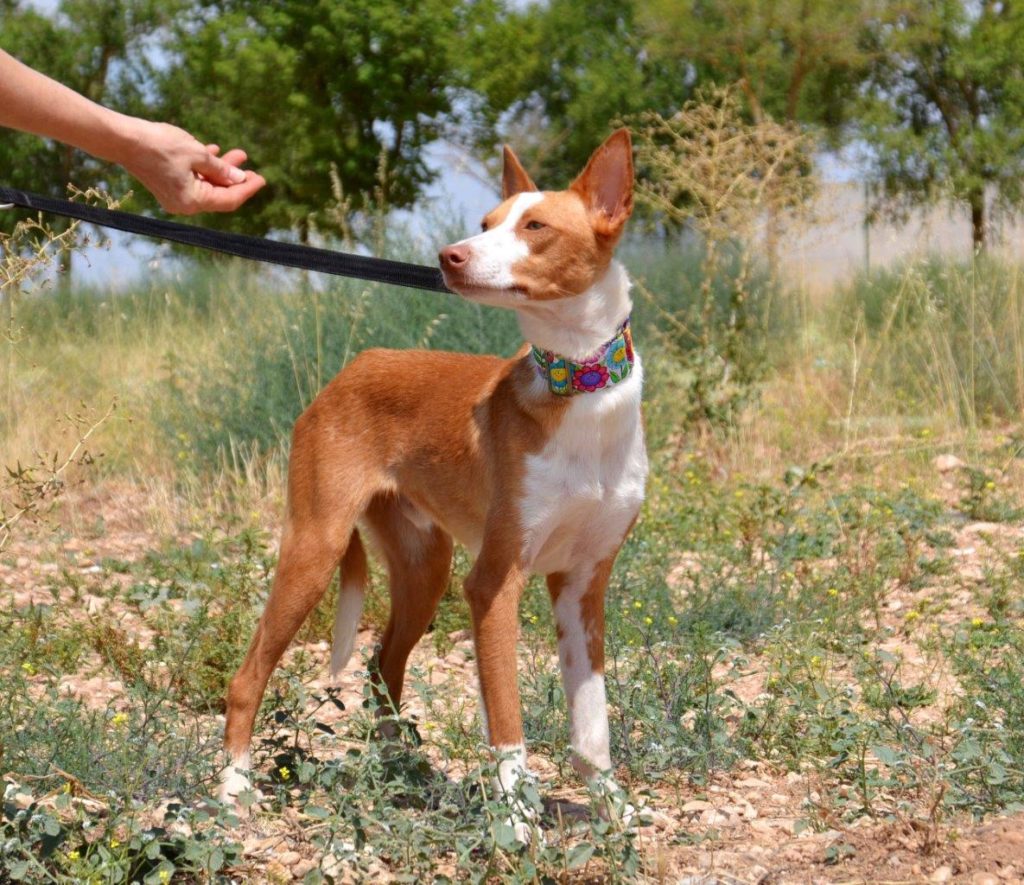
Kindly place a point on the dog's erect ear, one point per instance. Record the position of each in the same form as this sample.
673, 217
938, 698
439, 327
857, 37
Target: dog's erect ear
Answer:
514, 179
606, 185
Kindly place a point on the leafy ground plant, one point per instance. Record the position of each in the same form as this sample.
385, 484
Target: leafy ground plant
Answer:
807, 654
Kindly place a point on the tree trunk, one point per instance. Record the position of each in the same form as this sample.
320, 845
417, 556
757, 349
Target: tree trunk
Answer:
979, 233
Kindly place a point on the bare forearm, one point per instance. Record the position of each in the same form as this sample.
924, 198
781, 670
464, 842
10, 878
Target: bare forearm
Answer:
34, 103
184, 175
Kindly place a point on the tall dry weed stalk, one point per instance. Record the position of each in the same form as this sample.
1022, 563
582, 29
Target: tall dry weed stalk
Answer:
735, 183
29, 491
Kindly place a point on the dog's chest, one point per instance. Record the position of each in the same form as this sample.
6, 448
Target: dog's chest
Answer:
582, 491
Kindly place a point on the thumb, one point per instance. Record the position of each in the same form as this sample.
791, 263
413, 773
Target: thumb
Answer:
216, 171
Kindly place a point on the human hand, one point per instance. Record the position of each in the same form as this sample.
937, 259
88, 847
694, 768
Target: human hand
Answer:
185, 175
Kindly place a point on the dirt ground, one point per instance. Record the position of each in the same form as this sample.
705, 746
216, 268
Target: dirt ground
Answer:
744, 827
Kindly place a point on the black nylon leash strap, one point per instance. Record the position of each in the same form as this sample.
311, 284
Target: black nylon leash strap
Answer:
345, 264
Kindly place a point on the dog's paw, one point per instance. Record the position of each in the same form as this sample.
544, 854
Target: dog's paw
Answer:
614, 804
236, 789
518, 831
523, 831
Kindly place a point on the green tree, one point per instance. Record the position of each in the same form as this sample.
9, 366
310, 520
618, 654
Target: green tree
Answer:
97, 48
307, 85
795, 60
555, 77
944, 115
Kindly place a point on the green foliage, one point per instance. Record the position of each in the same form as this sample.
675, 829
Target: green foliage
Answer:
311, 87
793, 59
553, 78
708, 170
943, 105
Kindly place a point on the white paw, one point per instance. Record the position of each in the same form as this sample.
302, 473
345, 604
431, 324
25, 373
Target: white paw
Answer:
523, 831
519, 828
613, 803
234, 782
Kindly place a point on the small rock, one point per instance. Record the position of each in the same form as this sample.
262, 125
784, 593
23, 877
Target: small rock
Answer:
715, 818
696, 806
289, 858
942, 874
945, 464
984, 879
276, 872
752, 783
22, 562
302, 867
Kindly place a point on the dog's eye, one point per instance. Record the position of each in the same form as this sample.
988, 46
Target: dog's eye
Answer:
535, 225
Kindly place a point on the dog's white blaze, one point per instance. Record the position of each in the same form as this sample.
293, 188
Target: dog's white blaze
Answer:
584, 688
494, 252
233, 779
346, 624
585, 487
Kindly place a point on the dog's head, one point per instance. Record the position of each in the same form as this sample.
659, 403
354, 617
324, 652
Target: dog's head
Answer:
543, 245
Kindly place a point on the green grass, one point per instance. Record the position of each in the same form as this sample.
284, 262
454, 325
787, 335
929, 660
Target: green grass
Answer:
775, 536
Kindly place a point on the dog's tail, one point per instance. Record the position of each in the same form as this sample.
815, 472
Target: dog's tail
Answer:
354, 577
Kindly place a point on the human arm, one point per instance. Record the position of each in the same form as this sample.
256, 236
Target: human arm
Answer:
183, 174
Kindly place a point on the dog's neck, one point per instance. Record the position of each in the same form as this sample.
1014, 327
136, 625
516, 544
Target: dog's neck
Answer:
580, 325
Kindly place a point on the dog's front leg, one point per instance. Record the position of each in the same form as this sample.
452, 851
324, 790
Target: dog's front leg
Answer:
578, 600
577, 597
493, 589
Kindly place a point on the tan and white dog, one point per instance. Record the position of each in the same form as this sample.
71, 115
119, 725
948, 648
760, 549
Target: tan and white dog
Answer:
536, 464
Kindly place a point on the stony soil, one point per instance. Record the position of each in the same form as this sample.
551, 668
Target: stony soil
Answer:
744, 827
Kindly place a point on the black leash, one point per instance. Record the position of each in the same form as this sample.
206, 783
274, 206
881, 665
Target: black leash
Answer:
361, 267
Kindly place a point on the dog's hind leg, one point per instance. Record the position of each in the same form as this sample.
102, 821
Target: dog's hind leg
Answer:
418, 554
323, 506
307, 561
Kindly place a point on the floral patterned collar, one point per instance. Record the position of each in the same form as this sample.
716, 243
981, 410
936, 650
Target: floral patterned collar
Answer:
610, 364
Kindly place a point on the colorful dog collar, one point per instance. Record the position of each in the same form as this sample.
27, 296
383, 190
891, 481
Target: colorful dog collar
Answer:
612, 363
